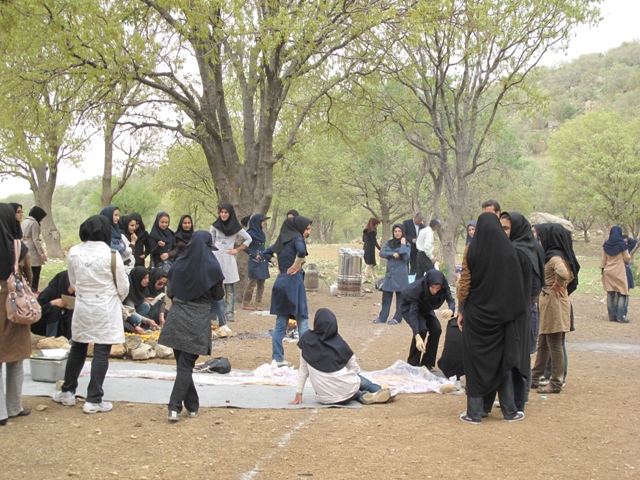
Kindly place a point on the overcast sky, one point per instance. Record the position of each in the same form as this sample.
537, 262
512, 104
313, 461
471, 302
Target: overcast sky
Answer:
619, 24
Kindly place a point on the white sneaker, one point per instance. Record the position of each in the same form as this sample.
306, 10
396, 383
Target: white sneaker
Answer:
97, 407
282, 363
381, 396
65, 398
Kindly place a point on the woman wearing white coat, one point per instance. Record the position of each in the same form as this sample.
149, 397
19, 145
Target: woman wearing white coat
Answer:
97, 317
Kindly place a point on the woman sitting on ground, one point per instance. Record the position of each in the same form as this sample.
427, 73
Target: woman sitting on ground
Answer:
155, 295
138, 281
56, 316
329, 362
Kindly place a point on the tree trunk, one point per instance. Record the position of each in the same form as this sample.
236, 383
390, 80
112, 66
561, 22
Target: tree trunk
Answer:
43, 187
107, 174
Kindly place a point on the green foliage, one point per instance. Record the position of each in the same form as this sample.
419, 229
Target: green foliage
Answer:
596, 159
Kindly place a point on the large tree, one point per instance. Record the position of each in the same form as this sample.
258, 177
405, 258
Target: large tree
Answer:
461, 61
241, 74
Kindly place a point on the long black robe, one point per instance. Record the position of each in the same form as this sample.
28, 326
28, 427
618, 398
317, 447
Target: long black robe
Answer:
496, 303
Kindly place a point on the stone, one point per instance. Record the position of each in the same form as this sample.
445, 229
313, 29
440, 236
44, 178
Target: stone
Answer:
41, 408
143, 352
50, 342
118, 351
163, 352
448, 388
132, 342
153, 341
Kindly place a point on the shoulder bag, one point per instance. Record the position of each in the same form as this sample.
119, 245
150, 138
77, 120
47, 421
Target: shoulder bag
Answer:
22, 306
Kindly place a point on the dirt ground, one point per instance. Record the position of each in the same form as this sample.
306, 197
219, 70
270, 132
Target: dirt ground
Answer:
589, 431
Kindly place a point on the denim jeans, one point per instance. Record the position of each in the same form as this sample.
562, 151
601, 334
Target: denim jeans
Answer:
387, 297
521, 387
366, 386
277, 350
617, 305
99, 367
475, 405
184, 390
141, 312
229, 300
217, 311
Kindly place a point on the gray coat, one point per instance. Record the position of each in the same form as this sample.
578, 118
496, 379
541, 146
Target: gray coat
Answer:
397, 276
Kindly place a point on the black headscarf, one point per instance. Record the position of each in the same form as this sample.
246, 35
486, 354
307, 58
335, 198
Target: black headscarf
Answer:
155, 275
116, 234
522, 239
291, 228
323, 348
182, 234
292, 212
556, 241
37, 213
197, 270
255, 228
136, 290
232, 225
18, 232
395, 242
96, 228
7, 235
58, 286
615, 244
167, 236
418, 291
496, 282
123, 223
472, 223
141, 233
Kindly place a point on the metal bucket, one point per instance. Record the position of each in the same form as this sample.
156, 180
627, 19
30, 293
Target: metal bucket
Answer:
350, 272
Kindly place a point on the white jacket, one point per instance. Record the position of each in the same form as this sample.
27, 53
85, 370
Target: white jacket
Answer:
97, 317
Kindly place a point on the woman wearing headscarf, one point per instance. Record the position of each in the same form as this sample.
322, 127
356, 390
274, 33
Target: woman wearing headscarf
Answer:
112, 213
329, 362
18, 209
471, 231
162, 243
133, 230
97, 317
292, 213
155, 295
196, 280
615, 254
15, 339
419, 300
258, 270
224, 232
183, 234
491, 302
56, 317
397, 253
31, 232
288, 296
531, 257
370, 244
138, 282
127, 226
561, 279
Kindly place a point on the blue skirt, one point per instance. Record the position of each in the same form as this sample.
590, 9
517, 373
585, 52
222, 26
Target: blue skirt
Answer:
288, 297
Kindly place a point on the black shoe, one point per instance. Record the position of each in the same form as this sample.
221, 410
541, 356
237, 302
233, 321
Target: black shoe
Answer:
624, 320
3, 422
23, 413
